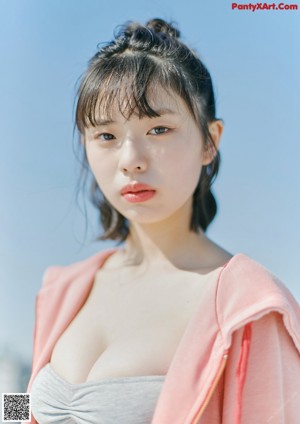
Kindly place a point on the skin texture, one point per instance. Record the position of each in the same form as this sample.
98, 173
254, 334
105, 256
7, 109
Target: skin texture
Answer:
167, 153
154, 151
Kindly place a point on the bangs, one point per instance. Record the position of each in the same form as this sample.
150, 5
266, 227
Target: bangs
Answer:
125, 84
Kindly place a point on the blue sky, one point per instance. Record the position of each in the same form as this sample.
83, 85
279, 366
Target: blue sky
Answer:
45, 45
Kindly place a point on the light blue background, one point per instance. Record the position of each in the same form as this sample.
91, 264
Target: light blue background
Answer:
44, 47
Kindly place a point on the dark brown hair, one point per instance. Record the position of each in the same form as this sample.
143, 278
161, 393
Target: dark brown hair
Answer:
121, 74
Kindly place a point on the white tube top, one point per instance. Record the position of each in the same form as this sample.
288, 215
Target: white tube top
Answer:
122, 400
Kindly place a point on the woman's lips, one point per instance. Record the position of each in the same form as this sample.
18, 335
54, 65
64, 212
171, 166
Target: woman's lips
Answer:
137, 192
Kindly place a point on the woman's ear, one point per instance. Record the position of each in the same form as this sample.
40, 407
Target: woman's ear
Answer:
215, 129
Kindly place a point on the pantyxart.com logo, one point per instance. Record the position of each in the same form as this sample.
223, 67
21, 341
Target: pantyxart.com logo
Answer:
253, 7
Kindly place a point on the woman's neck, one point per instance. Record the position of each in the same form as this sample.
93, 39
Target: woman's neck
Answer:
169, 241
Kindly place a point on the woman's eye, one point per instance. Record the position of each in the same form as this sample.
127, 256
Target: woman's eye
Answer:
159, 130
105, 136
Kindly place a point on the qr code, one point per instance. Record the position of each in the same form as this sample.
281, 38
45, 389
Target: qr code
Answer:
16, 407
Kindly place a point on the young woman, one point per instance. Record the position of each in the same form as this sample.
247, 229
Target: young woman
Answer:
169, 328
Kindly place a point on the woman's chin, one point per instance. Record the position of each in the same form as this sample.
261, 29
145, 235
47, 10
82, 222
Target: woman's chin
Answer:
143, 220
145, 217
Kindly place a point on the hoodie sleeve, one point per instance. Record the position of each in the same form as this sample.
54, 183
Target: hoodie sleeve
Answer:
262, 375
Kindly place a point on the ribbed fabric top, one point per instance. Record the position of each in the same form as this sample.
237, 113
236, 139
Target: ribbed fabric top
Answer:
122, 400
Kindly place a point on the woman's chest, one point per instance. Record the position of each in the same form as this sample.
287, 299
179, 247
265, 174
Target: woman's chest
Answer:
128, 327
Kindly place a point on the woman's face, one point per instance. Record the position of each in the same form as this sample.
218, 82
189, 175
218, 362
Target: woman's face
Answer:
164, 152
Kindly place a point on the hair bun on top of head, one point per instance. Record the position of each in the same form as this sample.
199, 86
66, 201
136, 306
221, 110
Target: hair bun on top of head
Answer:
159, 26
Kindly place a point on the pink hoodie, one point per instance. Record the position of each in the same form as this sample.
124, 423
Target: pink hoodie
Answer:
238, 361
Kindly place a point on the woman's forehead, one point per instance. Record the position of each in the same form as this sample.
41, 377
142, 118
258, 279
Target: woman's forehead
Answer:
159, 102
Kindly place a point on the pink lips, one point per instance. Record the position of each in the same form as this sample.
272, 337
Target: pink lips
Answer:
137, 192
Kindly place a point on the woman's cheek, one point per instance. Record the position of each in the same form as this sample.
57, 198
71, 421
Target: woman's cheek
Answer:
101, 165
184, 168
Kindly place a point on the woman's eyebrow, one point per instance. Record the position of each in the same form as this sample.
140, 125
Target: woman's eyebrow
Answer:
102, 122
165, 111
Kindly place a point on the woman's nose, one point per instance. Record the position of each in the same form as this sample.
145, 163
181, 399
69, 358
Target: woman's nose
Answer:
132, 158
